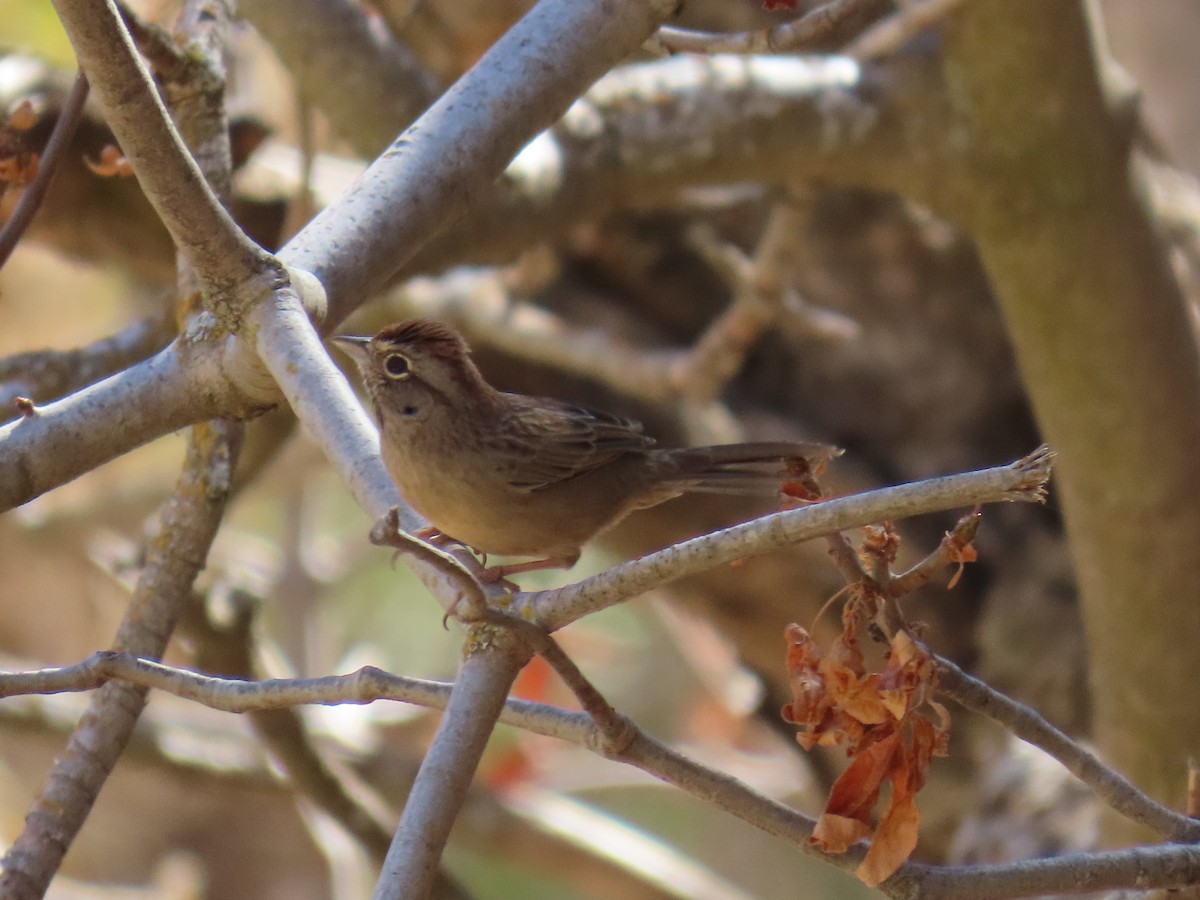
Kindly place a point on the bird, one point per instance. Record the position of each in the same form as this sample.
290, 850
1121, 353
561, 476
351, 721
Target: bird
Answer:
511, 474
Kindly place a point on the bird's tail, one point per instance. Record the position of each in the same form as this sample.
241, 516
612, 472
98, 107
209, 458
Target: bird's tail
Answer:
755, 468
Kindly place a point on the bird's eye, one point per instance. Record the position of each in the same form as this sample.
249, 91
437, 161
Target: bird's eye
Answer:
396, 366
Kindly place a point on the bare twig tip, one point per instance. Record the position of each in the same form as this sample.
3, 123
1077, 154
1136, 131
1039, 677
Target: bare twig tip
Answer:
1034, 470
384, 532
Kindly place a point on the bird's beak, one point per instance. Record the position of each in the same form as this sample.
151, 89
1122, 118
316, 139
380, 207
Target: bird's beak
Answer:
353, 346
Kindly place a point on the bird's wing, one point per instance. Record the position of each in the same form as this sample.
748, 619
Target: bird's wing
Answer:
547, 441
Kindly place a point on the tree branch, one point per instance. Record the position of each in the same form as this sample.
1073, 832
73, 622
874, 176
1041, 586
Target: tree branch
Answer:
1027, 724
74, 435
808, 29
887, 35
334, 50
189, 524
1023, 480
44, 375
647, 132
369, 683
1168, 866
1139, 868
435, 170
494, 657
34, 193
1098, 325
762, 299
200, 226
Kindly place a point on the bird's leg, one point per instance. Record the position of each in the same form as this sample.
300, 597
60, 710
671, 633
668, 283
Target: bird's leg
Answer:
443, 541
426, 533
440, 539
492, 574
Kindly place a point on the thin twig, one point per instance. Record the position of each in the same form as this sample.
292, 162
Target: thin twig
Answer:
1023, 480
762, 299
757, 285
1027, 724
35, 192
845, 557
948, 552
889, 34
1137, 869
388, 533
302, 204
234, 695
1192, 806
616, 729
808, 29
1171, 865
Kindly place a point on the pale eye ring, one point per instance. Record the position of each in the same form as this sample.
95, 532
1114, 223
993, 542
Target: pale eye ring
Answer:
395, 365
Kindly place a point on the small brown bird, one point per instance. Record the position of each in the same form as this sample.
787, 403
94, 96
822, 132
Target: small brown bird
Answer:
515, 475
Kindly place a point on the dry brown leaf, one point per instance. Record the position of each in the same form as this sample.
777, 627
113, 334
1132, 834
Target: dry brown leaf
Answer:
893, 843
836, 834
856, 790
23, 117
112, 163
886, 721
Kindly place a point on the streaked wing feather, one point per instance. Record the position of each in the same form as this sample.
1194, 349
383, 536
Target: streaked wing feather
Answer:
547, 441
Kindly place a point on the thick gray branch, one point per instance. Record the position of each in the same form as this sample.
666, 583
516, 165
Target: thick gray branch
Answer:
437, 169
43, 375
441, 784
646, 133
454, 153
1102, 335
335, 51
74, 435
